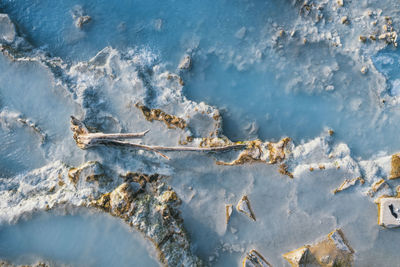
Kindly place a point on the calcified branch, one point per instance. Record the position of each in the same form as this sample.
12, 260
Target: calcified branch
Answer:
85, 139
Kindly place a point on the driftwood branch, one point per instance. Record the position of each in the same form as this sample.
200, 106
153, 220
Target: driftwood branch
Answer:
84, 139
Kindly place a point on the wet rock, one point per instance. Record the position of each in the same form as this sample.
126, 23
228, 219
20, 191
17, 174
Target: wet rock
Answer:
333, 250
299, 257
90, 171
186, 63
376, 186
347, 183
395, 167
228, 212
241, 33
80, 19
7, 29
244, 207
257, 151
153, 212
364, 70
255, 259
171, 121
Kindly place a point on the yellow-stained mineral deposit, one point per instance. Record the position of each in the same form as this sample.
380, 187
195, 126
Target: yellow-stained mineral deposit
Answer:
228, 212
347, 183
395, 170
244, 207
333, 250
171, 121
255, 259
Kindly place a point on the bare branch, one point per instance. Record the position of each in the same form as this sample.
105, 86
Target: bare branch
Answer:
85, 139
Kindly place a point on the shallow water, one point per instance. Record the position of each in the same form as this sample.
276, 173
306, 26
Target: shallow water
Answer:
86, 239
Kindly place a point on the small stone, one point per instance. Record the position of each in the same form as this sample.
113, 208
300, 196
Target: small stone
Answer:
345, 20
330, 88
375, 187
395, 167
82, 21
243, 206
185, 63
255, 259
340, 2
7, 29
228, 212
364, 70
362, 39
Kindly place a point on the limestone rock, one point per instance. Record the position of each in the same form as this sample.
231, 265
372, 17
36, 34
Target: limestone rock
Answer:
348, 183
7, 29
255, 259
395, 171
186, 63
244, 206
228, 212
88, 172
298, 257
389, 211
331, 251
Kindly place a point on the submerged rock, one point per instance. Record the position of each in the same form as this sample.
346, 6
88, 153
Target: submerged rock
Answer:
255, 259
244, 207
331, 251
186, 63
79, 17
171, 121
7, 29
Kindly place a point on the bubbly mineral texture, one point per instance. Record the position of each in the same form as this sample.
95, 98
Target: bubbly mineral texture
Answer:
255, 259
244, 207
395, 171
171, 121
89, 171
331, 251
79, 17
143, 201
257, 151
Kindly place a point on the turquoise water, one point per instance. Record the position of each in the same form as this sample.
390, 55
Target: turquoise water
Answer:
77, 240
